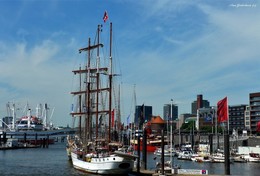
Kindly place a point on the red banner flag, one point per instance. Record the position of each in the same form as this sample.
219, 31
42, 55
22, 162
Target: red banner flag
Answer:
105, 17
113, 117
222, 112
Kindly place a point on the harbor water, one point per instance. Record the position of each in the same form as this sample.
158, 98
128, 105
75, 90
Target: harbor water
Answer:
54, 161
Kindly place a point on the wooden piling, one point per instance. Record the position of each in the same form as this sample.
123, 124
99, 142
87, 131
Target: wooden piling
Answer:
162, 154
226, 153
144, 151
138, 153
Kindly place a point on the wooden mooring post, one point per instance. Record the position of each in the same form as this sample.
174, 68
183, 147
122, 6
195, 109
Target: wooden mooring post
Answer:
144, 151
162, 155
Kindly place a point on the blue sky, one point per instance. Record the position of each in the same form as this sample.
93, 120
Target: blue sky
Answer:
168, 49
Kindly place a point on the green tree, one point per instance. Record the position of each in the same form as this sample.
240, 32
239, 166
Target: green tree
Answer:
188, 126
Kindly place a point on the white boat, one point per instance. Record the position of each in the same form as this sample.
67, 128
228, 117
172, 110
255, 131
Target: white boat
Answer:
220, 158
103, 163
93, 149
185, 155
201, 157
29, 123
240, 159
31, 128
167, 152
252, 157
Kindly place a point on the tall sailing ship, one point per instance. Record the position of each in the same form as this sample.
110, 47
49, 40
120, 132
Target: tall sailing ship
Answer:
92, 150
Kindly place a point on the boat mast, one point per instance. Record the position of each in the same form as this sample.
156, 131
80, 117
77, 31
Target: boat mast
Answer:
110, 85
171, 159
119, 112
80, 92
132, 121
97, 84
80, 104
135, 108
88, 121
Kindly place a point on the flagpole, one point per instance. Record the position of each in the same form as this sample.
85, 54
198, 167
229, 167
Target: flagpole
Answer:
197, 122
212, 122
171, 134
216, 121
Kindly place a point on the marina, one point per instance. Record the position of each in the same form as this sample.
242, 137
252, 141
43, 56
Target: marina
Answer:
13, 162
192, 153
237, 165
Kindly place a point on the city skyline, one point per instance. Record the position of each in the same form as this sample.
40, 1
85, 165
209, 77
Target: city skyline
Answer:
192, 102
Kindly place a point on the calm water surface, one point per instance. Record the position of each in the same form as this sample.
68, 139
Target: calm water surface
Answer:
37, 161
54, 161
249, 169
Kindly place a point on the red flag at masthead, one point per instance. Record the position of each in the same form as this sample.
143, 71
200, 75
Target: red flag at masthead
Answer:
105, 17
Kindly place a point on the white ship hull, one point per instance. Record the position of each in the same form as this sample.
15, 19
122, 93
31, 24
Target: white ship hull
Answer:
220, 158
112, 164
167, 152
253, 157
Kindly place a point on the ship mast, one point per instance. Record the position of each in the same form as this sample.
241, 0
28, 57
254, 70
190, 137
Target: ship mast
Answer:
97, 84
87, 92
80, 104
88, 121
91, 107
110, 85
119, 110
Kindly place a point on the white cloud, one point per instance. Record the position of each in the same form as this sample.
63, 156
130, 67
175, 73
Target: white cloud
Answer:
36, 76
214, 63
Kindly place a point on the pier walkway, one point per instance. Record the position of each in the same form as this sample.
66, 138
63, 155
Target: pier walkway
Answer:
167, 173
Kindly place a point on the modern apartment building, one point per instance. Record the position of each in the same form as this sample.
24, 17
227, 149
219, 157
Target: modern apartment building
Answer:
254, 103
168, 109
199, 103
237, 117
143, 113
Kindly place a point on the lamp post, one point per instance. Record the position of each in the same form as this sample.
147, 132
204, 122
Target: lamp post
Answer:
212, 119
171, 134
179, 133
192, 137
